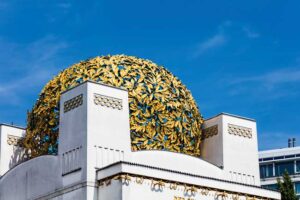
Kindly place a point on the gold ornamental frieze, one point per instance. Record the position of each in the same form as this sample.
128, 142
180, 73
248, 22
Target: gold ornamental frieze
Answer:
189, 191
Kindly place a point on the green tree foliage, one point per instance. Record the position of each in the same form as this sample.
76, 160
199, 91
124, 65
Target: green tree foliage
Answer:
286, 187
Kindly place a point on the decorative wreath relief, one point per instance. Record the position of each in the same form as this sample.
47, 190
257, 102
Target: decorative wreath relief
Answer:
163, 113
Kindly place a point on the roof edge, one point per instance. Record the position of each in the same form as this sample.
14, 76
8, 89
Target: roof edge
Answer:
230, 115
279, 150
13, 126
91, 81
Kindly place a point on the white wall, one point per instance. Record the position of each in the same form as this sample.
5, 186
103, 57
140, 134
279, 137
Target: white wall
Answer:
31, 179
94, 133
178, 162
72, 149
10, 153
234, 152
241, 153
212, 147
108, 126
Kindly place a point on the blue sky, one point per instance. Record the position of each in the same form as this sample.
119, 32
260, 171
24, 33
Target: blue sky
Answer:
240, 57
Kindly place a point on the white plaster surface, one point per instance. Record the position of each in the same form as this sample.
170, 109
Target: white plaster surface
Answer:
236, 155
10, 155
179, 162
31, 179
212, 147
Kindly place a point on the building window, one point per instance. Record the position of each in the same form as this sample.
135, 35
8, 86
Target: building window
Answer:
297, 188
298, 166
267, 159
278, 157
271, 186
281, 167
266, 171
290, 156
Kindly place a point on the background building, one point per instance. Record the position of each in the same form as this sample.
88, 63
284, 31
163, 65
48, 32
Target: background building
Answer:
274, 162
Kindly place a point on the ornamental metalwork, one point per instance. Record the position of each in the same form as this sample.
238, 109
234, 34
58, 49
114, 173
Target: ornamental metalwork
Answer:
139, 180
221, 195
15, 140
108, 102
187, 189
210, 132
240, 131
163, 113
173, 186
190, 190
73, 103
157, 185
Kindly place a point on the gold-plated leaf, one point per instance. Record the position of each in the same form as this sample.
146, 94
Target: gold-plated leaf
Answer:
163, 113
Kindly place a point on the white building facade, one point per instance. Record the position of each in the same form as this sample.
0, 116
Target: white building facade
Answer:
274, 162
95, 161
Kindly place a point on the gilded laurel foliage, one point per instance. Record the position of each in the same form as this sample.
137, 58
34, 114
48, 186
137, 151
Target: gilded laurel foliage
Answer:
163, 113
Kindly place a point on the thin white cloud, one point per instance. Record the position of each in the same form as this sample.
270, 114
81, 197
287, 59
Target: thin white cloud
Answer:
269, 86
28, 65
30, 80
224, 31
250, 33
273, 78
213, 42
45, 48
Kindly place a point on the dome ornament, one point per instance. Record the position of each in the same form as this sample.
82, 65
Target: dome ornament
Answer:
163, 113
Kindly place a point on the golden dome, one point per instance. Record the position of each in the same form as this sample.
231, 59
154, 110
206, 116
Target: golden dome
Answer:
163, 113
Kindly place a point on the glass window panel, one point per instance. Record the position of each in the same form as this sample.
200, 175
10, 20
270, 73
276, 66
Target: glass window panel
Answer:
262, 170
272, 186
267, 159
290, 156
266, 170
270, 170
297, 187
280, 168
278, 157
298, 166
